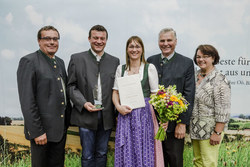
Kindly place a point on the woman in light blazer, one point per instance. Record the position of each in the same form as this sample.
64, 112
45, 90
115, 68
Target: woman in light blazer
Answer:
211, 107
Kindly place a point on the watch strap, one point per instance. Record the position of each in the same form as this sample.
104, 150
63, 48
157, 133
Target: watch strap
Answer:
218, 133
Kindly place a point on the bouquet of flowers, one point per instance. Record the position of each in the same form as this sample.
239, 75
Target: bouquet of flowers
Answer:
169, 104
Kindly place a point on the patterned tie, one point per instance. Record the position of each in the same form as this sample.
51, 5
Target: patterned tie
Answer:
164, 60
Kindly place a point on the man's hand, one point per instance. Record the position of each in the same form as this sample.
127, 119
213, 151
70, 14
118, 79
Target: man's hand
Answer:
41, 140
90, 107
180, 131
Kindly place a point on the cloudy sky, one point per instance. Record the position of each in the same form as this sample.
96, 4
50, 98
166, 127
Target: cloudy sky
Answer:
224, 24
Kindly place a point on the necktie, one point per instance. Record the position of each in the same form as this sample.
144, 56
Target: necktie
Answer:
164, 60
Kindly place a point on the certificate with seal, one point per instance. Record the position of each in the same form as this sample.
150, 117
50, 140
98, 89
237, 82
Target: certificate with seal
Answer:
130, 91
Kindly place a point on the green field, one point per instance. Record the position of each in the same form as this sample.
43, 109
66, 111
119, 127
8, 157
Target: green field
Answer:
239, 125
234, 151
232, 154
236, 124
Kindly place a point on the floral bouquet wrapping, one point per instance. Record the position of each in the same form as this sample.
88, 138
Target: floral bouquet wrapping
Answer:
169, 104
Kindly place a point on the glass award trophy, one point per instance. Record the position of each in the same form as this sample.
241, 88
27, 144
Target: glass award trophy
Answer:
98, 103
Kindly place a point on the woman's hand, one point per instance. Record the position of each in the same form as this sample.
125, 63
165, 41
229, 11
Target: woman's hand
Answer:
164, 126
215, 139
124, 110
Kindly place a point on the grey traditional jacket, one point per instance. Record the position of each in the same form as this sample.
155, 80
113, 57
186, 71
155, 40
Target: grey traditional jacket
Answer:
179, 71
42, 99
83, 76
212, 104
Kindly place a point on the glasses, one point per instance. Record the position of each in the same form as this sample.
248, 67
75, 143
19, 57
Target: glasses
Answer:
48, 39
203, 57
136, 47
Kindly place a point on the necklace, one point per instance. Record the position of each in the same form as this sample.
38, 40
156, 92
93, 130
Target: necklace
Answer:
135, 71
203, 75
200, 77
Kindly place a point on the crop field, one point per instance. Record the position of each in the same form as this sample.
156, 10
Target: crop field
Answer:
234, 151
15, 134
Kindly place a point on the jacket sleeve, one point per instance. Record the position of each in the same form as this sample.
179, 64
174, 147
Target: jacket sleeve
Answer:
222, 99
74, 93
26, 81
188, 93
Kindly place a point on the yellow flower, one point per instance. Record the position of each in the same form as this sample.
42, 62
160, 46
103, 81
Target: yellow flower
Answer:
173, 98
181, 103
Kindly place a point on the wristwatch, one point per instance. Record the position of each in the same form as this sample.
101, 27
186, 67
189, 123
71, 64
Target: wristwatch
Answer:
218, 133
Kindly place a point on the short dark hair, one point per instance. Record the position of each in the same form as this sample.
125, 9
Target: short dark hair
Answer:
46, 28
98, 28
208, 50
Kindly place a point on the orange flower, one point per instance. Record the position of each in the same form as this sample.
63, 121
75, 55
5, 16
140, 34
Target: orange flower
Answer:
162, 95
173, 98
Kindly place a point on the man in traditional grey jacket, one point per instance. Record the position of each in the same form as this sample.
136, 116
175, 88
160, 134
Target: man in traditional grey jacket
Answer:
41, 80
174, 69
91, 78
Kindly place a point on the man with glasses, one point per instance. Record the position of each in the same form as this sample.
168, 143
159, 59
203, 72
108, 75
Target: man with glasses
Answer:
41, 78
174, 69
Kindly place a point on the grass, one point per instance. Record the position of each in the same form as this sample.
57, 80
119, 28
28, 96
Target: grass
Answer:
235, 154
188, 156
72, 159
232, 154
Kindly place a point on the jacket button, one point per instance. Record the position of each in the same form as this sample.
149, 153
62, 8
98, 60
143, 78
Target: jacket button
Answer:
61, 90
58, 78
159, 75
62, 103
61, 116
54, 66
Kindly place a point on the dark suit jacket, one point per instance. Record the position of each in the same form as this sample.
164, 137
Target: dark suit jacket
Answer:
83, 75
41, 96
178, 71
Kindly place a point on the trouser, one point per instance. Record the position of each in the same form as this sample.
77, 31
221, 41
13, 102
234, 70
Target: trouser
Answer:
94, 145
48, 155
173, 151
205, 154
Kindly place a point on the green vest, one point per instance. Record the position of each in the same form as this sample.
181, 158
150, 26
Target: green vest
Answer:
144, 82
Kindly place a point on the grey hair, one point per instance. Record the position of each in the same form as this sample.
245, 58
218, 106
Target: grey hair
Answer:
165, 30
